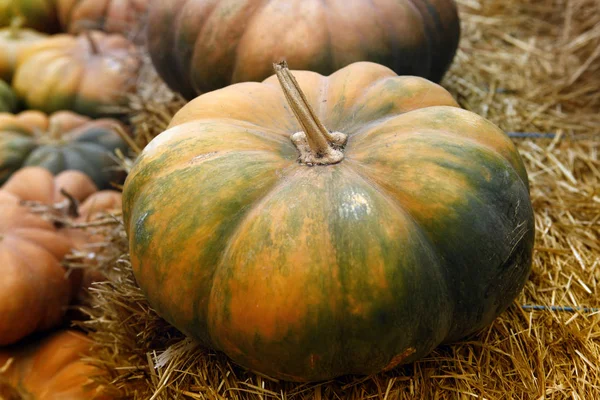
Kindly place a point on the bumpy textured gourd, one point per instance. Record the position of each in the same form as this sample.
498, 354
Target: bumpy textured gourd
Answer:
343, 231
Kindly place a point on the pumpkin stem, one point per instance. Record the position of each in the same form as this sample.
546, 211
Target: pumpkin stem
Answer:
315, 143
54, 131
73, 210
93, 45
16, 23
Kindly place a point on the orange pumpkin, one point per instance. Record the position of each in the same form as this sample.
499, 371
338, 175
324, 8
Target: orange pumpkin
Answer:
90, 74
343, 231
35, 289
50, 368
39, 282
13, 41
39, 185
116, 16
100, 203
48, 189
94, 207
202, 45
36, 184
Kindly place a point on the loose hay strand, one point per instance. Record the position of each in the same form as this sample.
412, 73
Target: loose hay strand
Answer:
528, 66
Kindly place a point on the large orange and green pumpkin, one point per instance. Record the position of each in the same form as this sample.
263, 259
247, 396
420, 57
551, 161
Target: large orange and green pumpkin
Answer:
61, 141
203, 45
350, 232
90, 74
50, 368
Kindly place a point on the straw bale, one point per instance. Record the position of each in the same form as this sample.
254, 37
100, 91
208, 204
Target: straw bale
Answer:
533, 68
530, 65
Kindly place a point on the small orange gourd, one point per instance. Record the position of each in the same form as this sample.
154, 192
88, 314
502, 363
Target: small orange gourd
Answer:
50, 368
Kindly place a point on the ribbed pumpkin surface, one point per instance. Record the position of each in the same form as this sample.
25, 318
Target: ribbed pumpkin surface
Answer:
422, 234
60, 142
202, 45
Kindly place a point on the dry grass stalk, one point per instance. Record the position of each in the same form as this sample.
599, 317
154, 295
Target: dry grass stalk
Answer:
105, 226
152, 106
529, 66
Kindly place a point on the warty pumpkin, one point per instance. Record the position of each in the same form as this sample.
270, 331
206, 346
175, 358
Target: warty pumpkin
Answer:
50, 368
347, 233
115, 16
61, 141
202, 45
14, 40
90, 74
8, 100
37, 14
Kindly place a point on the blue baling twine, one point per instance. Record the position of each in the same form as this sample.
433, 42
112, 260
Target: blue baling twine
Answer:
560, 308
538, 307
532, 135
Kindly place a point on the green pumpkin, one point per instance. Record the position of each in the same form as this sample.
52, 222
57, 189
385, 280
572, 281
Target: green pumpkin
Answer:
60, 142
356, 233
8, 100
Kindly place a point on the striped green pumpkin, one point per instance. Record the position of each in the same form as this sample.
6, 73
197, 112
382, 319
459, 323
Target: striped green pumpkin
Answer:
60, 142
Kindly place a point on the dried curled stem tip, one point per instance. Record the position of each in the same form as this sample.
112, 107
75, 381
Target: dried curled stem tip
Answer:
15, 26
73, 209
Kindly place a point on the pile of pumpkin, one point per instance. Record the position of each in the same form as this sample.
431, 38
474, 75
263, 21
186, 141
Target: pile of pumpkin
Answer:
65, 70
308, 226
